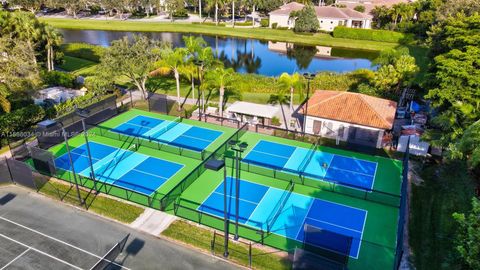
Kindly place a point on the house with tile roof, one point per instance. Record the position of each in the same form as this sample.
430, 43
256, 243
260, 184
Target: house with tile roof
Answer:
329, 17
351, 117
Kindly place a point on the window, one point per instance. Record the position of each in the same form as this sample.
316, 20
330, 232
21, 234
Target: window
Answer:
331, 22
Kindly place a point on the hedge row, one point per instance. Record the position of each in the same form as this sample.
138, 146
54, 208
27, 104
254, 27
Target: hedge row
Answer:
83, 50
370, 34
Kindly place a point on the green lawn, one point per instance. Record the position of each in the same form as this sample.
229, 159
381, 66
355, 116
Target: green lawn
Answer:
257, 33
100, 204
78, 66
238, 252
447, 188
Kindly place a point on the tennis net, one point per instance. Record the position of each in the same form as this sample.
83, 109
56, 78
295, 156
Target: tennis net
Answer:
278, 208
308, 158
168, 127
116, 159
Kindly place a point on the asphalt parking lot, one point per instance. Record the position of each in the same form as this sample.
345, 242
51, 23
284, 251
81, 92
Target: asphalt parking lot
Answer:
39, 233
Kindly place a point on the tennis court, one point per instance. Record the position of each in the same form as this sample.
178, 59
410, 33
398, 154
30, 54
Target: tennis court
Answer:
171, 132
319, 165
286, 213
124, 168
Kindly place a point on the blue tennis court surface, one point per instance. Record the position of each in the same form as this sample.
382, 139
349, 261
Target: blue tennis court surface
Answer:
320, 165
287, 213
170, 132
123, 168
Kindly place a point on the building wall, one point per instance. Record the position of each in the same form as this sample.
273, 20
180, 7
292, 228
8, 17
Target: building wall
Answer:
326, 24
330, 129
282, 21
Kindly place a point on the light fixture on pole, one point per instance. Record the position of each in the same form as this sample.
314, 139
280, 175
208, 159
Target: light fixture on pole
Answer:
238, 148
84, 113
199, 64
308, 77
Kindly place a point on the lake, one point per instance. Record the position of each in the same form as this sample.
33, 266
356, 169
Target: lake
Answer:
251, 55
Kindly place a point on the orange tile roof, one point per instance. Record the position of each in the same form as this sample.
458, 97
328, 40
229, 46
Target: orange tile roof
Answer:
352, 108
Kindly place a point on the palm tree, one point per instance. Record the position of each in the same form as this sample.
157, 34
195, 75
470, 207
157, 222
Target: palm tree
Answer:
52, 39
280, 98
194, 45
221, 78
190, 71
173, 60
25, 27
290, 82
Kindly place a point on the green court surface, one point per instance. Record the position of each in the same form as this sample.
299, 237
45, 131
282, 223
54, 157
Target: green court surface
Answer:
154, 201
188, 192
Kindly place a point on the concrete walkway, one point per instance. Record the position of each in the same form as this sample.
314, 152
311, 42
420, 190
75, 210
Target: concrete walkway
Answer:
153, 221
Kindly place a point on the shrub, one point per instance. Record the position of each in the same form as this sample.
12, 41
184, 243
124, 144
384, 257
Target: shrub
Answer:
181, 13
306, 20
275, 121
274, 25
360, 8
58, 78
20, 120
83, 50
264, 22
95, 9
210, 23
246, 23
370, 34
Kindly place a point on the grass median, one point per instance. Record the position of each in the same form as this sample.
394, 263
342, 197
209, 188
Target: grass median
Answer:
256, 33
100, 204
238, 252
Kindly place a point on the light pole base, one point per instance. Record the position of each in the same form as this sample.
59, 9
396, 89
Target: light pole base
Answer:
225, 254
236, 237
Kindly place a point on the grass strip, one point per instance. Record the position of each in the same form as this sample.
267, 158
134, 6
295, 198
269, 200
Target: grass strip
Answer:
100, 204
201, 238
257, 33
446, 188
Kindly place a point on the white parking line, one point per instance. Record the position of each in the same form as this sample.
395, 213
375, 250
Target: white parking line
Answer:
39, 251
16, 258
55, 239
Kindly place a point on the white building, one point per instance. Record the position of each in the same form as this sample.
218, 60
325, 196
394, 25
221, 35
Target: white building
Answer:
252, 113
328, 17
351, 117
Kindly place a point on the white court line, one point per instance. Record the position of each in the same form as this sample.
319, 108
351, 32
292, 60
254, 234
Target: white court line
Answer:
58, 240
273, 155
39, 251
133, 117
196, 138
16, 258
333, 224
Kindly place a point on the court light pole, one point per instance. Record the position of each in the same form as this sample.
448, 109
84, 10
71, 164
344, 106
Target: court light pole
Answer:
226, 220
238, 148
84, 113
71, 163
199, 64
308, 77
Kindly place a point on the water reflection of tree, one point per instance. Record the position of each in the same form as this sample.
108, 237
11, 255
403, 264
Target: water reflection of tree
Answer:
303, 55
244, 59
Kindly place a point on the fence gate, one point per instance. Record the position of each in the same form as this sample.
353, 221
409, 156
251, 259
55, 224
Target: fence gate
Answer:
21, 173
